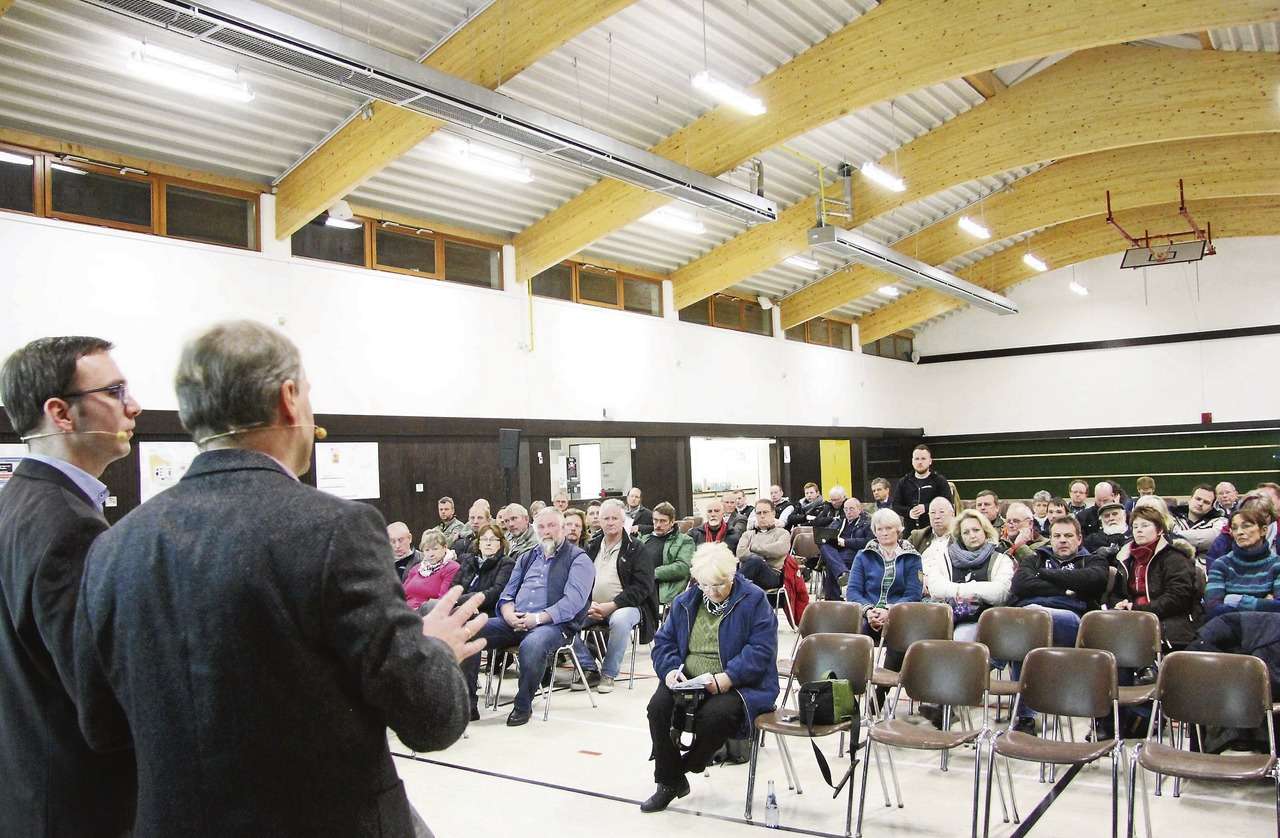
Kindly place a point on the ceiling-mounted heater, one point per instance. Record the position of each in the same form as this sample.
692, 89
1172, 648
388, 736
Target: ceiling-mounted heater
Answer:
252, 29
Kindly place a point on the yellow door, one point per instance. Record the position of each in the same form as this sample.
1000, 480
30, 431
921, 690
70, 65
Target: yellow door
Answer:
837, 468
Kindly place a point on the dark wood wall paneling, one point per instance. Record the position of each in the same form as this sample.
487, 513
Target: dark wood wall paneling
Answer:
660, 467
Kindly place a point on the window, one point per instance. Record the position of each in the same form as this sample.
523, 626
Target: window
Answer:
900, 347
409, 251
583, 283
78, 193
699, 312
472, 264
729, 312
320, 240
210, 216
17, 181
823, 331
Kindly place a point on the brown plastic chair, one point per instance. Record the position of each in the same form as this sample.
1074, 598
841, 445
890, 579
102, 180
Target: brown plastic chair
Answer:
909, 622
1064, 682
1132, 636
1010, 633
1208, 688
803, 544
824, 617
848, 656
949, 673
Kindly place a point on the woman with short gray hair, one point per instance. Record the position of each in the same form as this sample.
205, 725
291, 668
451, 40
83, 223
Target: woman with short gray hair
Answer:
429, 579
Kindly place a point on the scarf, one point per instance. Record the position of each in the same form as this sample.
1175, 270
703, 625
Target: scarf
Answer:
719, 534
962, 559
1141, 555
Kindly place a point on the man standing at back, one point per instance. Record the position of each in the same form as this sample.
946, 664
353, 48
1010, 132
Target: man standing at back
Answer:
67, 398
914, 491
247, 633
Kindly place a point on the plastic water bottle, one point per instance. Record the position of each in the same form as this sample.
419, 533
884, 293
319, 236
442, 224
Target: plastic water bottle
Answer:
771, 809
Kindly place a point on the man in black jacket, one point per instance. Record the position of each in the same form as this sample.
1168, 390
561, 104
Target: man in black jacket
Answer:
625, 595
402, 549
913, 492
716, 528
1091, 519
247, 633
67, 398
640, 515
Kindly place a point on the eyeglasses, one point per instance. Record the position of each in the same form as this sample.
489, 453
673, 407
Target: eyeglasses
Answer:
488, 538
120, 391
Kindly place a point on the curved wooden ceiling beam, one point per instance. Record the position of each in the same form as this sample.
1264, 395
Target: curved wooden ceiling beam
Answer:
1099, 99
893, 49
1077, 241
509, 36
1071, 189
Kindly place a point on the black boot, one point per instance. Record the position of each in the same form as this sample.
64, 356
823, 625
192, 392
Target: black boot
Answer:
663, 795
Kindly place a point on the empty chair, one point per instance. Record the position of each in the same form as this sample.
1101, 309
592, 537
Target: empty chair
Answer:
1132, 636
909, 622
1010, 633
844, 656
948, 673
1208, 688
1064, 682
822, 618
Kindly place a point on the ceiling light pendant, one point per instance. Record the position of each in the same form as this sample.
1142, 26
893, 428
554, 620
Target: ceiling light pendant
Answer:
973, 228
673, 219
343, 223
802, 262
488, 161
19, 159
877, 175
187, 74
1077, 288
728, 94
1034, 263
888, 291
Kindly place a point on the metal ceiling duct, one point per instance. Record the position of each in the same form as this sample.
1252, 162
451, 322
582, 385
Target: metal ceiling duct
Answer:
859, 248
251, 29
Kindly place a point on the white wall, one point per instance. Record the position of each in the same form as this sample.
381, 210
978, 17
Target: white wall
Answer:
1163, 384
381, 343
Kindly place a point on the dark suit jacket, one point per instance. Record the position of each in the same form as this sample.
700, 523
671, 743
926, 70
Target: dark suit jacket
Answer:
53, 784
251, 632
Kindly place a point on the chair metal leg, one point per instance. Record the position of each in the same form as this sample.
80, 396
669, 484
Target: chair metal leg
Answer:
945, 755
862, 798
635, 641
591, 694
986, 816
1004, 807
884, 785
893, 772
848, 806
1276, 774
1146, 803
751, 771
786, 765
1013, 798
786, 757
1116, 756
1177, 781
1134, 768
977, 774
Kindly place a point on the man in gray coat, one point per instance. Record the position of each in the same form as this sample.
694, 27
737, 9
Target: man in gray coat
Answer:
248, 634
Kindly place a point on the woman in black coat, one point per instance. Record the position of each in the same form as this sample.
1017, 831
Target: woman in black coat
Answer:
487, 571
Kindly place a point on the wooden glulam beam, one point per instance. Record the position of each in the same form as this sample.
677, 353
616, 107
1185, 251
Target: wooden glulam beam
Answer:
1071, 243
1095, 100
503, 40
1067, 190
5, 5
893, 49
1205, 41
986, 83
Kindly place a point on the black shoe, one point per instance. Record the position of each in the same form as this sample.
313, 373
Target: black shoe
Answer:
1106, 732
1024, 724
663, 795
475, 713
518, 717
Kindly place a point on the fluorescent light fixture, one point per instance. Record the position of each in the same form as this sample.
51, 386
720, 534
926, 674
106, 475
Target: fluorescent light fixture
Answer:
488, 161
888, 290
1033, 263
727, 94
877, 175
802, 262
10, 157
973, 228
343, 223
189, 75
670, 218
1077, 288
71, 170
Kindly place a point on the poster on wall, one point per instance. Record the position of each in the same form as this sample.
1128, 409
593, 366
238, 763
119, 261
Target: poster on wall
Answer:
348, 469
162, 464
10, 456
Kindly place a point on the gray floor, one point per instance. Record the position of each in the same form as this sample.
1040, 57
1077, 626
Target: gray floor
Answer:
583, 772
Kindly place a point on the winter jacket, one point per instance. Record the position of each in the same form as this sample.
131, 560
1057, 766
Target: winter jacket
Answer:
419, 589
639, 587
1171, 588
911, 490
856, 533
1200, 533
867, 574
1076, 583
748, 645
1244, 633
641, 518
820, 513
924, 537
478, 575
939, 578
772, 545
734, 528
452, 531
671, 555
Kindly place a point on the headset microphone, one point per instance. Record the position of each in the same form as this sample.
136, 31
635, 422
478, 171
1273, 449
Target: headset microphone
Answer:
121, 436
317, 430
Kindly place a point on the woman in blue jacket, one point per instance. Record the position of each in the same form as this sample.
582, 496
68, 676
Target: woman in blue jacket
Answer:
885, 572
721, 631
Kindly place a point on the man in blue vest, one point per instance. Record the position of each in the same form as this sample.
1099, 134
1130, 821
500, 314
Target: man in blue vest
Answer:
541, 609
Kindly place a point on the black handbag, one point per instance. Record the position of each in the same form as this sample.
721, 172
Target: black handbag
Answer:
828, 702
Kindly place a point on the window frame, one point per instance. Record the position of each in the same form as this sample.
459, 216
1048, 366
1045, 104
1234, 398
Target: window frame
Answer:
105, 171
894, 338
807, 334
394, 228
162, 221
37, 180
721, 300
620, 278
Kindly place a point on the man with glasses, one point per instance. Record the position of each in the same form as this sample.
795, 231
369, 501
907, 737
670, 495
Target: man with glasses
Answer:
69, 401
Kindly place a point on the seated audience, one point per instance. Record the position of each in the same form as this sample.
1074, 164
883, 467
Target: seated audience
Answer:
1063, 579
624, 595
449, 525
1158, 575
541, 609
1248, 577
853, 531
1057, 508
988, 503
1199, 521
724, 628
1227, 498
881, 493
914, 490
1145, 486
763, 549
1114, 530
1019, 538
488, 570
536, 507
402, 547
816, 512
477, 519
575, 527
885, 572
1225, 543
742, 507
1090, 519
520, 536
670, 552
560, 500
431, 577
640, 518
716, 528
1040, 511
1077, 496
970, 575
783, 508
593, 520
941, 514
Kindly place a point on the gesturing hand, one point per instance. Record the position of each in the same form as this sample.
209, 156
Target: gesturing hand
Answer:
456, 626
